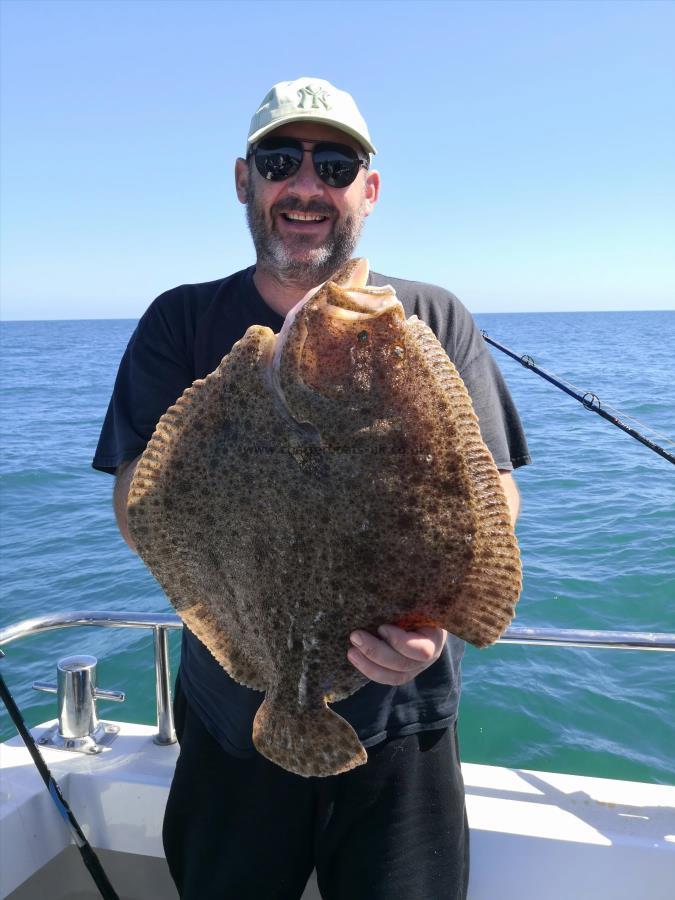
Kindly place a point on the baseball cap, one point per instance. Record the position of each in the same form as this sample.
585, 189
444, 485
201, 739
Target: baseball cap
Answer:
309, 99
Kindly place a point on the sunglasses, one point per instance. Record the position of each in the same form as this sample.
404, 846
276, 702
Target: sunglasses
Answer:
337, 165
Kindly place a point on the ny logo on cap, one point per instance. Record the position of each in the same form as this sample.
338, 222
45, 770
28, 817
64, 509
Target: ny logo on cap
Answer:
310, 97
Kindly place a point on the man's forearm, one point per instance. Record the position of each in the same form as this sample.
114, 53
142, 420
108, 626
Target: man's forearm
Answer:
512, 494
124, 474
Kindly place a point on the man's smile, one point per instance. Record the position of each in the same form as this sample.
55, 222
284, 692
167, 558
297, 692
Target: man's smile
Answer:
303, 217
294, 222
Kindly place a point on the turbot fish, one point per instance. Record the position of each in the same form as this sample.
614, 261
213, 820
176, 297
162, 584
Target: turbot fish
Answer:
327, 478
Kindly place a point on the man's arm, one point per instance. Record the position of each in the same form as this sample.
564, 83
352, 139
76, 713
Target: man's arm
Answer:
123, 475
403, 655
512, 494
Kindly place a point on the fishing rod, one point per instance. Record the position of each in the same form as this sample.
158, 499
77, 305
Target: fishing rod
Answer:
87, 852
588, 399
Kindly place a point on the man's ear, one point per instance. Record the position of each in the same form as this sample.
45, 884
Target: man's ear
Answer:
372, 191
241, 175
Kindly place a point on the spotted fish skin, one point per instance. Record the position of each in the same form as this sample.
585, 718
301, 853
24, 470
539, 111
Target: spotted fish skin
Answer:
328, 478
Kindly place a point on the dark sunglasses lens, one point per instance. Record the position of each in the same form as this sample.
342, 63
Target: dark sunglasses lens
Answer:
336, 164
276, 160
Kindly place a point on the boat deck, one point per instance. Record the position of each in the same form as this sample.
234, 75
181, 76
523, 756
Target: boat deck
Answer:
533, 834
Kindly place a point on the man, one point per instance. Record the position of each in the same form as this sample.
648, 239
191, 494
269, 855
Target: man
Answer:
236, 825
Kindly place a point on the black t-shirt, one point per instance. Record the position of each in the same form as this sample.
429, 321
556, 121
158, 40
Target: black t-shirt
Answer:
184, 335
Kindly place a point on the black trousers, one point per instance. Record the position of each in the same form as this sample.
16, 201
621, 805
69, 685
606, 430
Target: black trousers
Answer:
245, 829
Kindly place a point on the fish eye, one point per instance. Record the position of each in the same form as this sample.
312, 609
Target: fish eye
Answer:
362, 336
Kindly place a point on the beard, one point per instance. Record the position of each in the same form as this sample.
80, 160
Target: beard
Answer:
293, 258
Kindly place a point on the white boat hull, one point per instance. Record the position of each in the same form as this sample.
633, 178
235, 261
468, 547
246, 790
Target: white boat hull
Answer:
533, 834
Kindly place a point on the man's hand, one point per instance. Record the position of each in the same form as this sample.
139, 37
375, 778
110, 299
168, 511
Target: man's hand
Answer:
399, 656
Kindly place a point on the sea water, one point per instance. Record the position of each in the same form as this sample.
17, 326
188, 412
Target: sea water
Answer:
597, 536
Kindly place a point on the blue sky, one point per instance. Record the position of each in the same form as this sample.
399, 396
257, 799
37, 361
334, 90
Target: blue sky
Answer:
526, 149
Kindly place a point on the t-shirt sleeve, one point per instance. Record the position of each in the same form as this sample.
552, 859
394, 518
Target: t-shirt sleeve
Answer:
154, 371
500, 424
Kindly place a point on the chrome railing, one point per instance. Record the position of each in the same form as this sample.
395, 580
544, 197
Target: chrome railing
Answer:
579, 637
160, 623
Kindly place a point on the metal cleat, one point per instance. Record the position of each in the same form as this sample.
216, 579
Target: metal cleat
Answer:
79, 729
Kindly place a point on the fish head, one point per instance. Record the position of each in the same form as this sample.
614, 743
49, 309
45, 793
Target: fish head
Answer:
340, 348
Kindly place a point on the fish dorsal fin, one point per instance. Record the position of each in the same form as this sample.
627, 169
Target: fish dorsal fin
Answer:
490, 588
430, 345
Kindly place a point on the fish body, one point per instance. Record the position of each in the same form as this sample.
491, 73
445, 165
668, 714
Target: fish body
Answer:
325, 479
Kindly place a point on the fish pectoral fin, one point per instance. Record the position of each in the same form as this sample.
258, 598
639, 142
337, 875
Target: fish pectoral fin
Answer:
310, 740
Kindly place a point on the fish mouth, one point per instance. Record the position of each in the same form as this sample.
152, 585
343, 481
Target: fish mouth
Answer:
350, 298
357, 304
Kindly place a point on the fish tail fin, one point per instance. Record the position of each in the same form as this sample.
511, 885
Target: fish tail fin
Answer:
309, 741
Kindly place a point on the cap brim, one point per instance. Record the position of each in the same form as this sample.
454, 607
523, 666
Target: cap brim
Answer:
312, 117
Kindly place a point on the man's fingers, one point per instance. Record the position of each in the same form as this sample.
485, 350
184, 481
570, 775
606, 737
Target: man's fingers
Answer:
421, 645
399, 656
377, 673
383, 654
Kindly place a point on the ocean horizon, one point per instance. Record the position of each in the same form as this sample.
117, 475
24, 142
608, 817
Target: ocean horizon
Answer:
501, 312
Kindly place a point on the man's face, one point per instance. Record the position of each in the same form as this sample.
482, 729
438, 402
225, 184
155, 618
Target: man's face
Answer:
308, 250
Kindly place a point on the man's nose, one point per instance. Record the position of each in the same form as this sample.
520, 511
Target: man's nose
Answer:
306, 183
